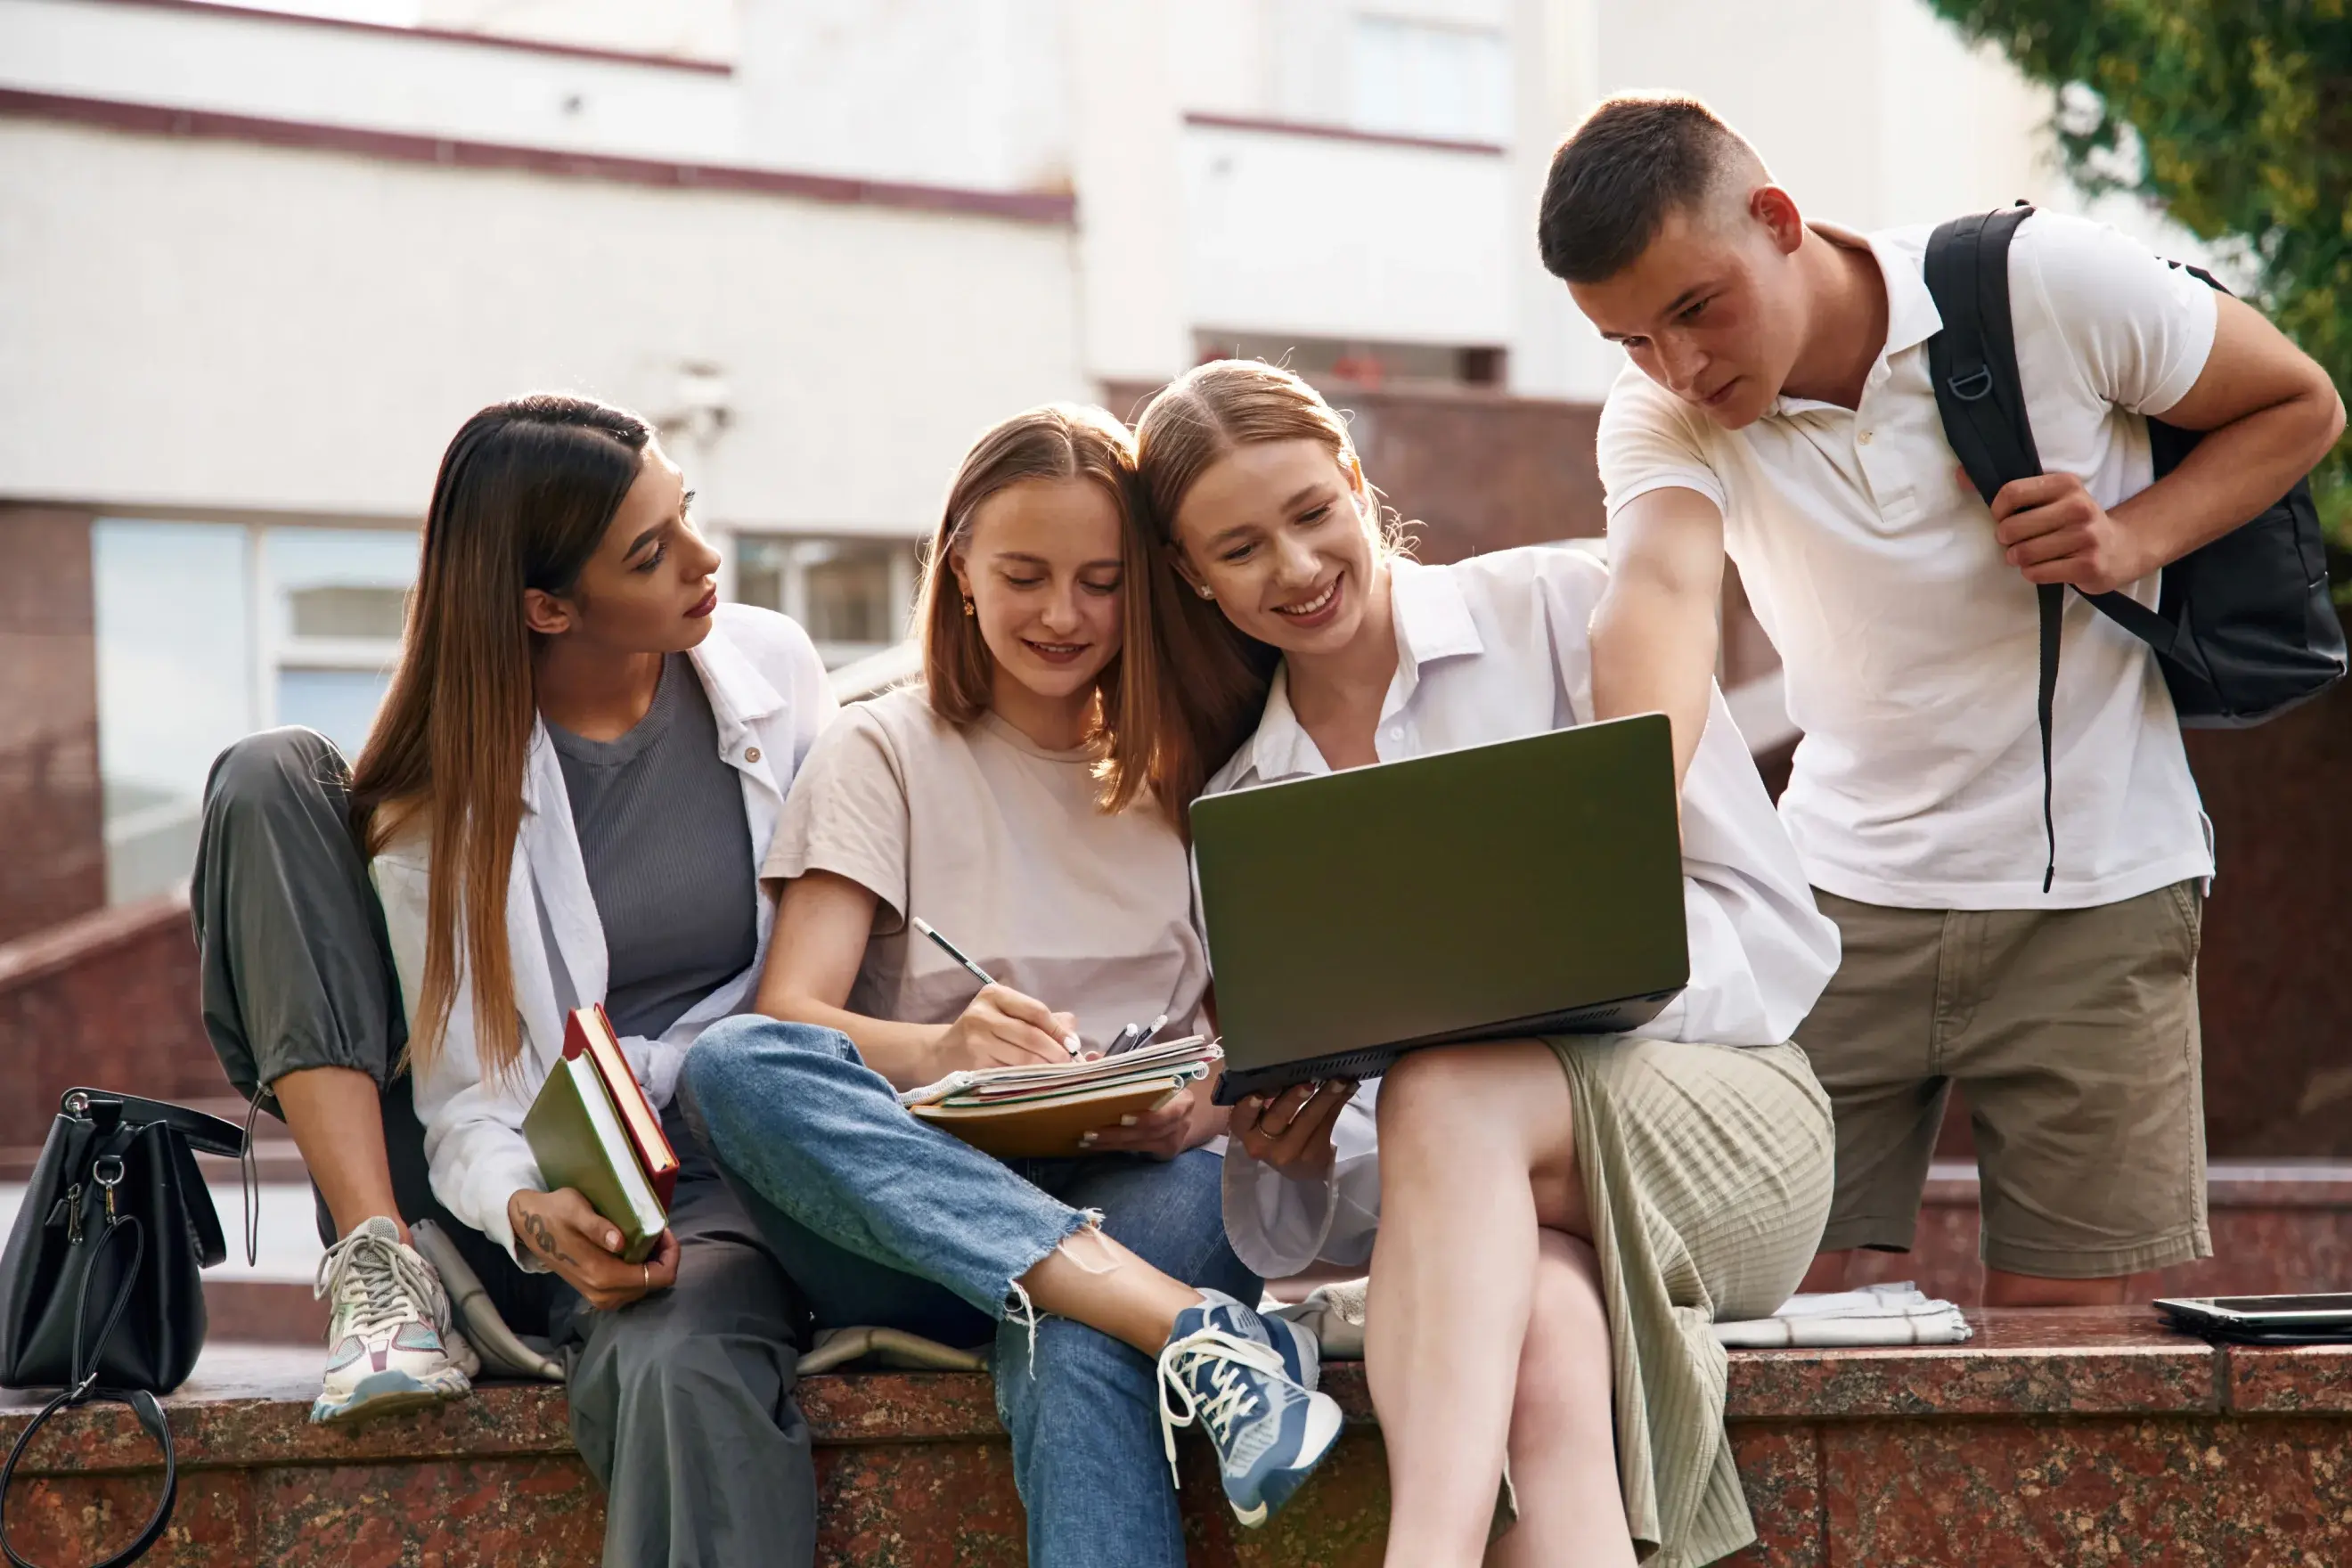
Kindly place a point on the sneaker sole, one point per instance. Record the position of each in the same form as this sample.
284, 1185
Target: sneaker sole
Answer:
381, 1394
1323, 1423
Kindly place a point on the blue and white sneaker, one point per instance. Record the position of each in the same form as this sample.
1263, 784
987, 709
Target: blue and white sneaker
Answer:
1302, 1356
390, 1346
1224, 1367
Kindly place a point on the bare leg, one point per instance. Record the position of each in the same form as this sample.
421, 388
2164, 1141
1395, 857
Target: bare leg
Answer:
1828, 1273
1094, 1280
2002, 1288
1477, 1153
336, 1121
1563, 1438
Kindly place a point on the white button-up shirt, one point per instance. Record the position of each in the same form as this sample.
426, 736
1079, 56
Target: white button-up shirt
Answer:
769, 693
1494, 648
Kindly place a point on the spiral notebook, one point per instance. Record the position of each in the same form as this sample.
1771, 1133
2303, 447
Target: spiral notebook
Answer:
1043, 1110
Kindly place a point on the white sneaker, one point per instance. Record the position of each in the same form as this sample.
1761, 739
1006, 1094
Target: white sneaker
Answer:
390, 1346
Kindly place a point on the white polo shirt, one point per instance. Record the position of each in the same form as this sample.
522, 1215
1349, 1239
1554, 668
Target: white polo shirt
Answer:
1494, 648
1910, 644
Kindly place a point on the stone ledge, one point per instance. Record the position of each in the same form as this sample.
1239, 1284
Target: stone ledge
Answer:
2053, 1438
247, 1407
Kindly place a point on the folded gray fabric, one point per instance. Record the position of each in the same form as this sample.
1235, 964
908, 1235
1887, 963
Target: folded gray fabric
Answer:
1876, 1315
504, 1352
890, 1347
1333, 1313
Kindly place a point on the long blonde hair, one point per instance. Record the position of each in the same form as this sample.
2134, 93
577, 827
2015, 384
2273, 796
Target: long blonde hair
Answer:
525, 494
1218, 675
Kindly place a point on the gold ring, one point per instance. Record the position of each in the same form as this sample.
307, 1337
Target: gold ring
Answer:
649, 1274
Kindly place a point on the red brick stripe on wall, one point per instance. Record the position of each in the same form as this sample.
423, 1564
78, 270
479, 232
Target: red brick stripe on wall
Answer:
442, 35
159, 119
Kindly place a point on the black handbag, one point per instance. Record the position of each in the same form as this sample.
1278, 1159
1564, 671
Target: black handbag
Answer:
102, 1289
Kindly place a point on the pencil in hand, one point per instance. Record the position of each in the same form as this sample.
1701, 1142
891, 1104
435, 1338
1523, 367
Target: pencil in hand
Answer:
1070, 1043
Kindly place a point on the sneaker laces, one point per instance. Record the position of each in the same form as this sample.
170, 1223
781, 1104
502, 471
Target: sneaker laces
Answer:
1217, 1355
387, 1282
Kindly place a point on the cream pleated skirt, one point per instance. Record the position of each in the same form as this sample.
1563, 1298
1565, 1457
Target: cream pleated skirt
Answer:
1707, 1173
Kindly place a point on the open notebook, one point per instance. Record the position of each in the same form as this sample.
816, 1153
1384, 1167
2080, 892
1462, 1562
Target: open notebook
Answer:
1039, 1112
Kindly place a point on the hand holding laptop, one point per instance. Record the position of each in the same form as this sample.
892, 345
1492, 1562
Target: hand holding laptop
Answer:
1291, 1130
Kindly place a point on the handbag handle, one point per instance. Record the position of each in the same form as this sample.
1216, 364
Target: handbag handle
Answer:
85, 1389
204, 1131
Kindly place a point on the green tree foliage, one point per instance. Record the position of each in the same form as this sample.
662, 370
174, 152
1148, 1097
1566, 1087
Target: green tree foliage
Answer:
2241, 115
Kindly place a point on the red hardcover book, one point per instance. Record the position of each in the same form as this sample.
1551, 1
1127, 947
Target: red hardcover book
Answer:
588, 1032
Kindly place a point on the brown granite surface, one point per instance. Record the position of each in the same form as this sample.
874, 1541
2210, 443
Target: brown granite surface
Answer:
51, 811
1781, 1468
2278, 1380
2049, 1362
2281, 1494
2274, 977
2013, 1494
2074, 1437
107, 999
246, 1406
2278, 1227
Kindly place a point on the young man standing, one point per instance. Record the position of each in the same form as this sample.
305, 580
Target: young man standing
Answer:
1779, 408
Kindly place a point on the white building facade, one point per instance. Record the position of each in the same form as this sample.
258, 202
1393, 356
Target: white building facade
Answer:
254, 268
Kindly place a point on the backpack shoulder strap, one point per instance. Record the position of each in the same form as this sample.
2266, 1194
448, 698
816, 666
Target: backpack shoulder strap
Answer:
1972, 360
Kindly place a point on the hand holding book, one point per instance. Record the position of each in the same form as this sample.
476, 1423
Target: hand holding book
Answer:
604, 1225
1187, 1121
585, 1247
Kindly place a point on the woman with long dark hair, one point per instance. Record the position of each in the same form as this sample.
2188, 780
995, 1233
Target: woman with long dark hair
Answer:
564, 800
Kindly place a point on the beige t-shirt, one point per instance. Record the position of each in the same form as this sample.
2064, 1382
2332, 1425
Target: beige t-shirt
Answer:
998, 843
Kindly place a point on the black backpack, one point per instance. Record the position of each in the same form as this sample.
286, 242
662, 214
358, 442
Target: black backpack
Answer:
2244, 628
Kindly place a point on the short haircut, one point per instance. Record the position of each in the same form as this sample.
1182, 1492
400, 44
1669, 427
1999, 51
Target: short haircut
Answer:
1634, 159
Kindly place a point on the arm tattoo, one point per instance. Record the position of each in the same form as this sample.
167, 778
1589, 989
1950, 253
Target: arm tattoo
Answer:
542, 1239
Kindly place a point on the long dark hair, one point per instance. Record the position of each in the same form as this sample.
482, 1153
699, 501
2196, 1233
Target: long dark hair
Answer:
525, 494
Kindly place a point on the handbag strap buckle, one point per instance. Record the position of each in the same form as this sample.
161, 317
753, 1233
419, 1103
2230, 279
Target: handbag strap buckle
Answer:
107, 1172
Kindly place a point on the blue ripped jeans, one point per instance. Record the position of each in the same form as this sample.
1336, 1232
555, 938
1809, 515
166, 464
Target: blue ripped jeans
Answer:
881, 1219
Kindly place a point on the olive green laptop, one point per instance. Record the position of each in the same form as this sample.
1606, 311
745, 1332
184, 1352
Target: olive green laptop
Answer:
1530, 887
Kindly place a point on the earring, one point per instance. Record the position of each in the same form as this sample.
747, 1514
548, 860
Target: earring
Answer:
967, 607
1204, 590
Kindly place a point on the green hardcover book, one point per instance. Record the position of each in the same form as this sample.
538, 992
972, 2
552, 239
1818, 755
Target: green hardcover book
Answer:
575, 1135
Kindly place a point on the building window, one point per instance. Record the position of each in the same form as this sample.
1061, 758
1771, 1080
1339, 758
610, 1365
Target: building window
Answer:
337, 597
174, 686
853, 596
1428, 79
207, 632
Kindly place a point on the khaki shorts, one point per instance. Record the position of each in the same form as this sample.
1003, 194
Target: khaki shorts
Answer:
2074, 1034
